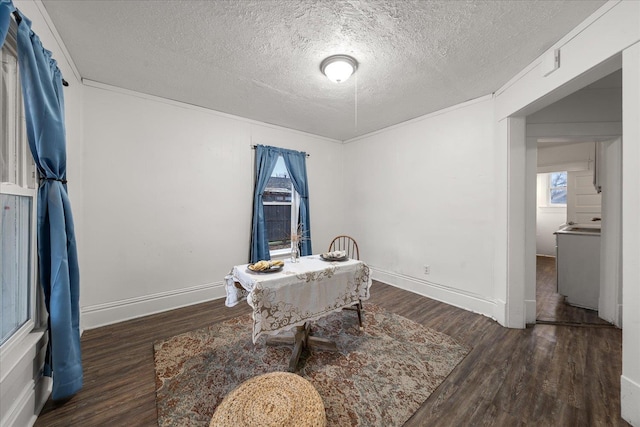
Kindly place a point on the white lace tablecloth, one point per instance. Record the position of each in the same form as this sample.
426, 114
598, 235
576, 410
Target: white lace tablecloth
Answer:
300, 292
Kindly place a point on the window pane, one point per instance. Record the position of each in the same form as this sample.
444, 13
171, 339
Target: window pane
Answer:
16, 163
559, 196
14, 263
9, 142
558, 188
278, 222
278, 190
558, 179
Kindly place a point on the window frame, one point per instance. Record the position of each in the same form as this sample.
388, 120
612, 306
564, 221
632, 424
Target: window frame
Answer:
21, 170
295, 216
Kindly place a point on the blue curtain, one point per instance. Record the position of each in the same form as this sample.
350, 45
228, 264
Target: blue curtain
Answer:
6, 7
59, 274
266, 158
295, 161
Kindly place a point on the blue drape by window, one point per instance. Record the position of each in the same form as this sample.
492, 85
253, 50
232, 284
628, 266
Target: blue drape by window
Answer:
266, 158
6, 7
295, 161
59, 273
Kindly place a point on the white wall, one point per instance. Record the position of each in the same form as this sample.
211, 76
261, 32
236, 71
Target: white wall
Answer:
421, 194
566, 157
599, 103
169, 200
568, 127
23, 390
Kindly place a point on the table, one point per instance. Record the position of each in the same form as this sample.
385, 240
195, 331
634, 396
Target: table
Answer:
300, 293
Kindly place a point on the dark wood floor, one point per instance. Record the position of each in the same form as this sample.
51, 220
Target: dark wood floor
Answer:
545, 375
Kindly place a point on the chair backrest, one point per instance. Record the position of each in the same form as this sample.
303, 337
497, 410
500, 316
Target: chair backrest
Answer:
347, 244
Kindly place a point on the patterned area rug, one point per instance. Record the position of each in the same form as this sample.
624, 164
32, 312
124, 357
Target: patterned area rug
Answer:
379, 377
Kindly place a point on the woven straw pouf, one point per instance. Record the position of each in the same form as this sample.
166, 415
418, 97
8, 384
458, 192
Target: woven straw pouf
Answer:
276, 399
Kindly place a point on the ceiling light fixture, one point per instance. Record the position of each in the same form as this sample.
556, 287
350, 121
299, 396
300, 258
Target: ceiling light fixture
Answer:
338, 68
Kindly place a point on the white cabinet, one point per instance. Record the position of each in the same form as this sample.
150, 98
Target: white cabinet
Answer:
578, 266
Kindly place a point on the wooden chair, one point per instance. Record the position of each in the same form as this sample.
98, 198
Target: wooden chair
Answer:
350, 246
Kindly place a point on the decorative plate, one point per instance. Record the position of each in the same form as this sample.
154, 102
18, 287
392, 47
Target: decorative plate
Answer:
273, 269
325, 257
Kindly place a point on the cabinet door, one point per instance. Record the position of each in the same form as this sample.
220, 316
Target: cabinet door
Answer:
578, 267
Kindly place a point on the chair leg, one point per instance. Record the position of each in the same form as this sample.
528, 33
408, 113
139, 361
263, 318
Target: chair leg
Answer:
359, 308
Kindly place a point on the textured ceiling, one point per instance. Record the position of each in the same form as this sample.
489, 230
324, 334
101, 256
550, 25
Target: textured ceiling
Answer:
260, 59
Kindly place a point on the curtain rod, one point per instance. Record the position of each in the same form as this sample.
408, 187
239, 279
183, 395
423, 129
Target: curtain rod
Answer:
18, 19
253, 147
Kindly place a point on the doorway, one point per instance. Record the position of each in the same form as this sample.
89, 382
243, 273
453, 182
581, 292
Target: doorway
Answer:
576, 136
515, 166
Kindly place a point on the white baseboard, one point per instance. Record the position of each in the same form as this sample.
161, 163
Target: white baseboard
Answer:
451, 296
630, 400
500, 312
109, 313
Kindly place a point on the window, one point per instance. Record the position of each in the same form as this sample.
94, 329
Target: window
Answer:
18, 204
281, 207
558, 189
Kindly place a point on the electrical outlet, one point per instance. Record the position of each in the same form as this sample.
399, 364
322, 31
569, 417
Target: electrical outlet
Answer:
427, 269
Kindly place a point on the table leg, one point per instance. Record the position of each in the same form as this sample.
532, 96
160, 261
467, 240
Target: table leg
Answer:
301, 339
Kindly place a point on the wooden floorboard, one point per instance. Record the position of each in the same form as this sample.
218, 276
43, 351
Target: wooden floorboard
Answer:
544, 375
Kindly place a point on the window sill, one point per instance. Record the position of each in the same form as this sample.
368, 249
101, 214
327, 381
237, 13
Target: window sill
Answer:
552, 209
280, 253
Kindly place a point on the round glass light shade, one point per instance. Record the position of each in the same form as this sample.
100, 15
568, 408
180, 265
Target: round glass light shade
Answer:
338, 68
